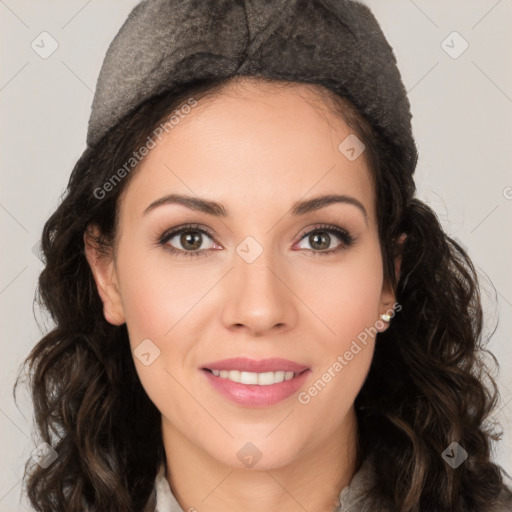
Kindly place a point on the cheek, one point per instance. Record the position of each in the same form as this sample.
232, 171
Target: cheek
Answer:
345, 341
346, 297
158, 304
157, 293
347, 303
161, 301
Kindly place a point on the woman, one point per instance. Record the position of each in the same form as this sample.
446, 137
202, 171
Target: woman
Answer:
253, 310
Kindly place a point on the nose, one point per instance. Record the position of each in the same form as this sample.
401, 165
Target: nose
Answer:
258, 296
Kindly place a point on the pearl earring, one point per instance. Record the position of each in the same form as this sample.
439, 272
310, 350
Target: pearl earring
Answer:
385, 317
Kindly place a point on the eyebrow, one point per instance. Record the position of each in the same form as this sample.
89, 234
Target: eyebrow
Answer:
218, 210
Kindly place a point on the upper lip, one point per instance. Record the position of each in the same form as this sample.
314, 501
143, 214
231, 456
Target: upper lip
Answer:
245, 364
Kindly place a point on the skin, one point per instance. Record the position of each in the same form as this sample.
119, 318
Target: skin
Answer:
256, 149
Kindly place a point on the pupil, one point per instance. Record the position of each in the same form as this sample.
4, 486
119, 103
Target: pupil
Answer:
317, 239
191, 241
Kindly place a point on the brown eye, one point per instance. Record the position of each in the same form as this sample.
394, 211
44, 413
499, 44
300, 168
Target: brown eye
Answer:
191, 241
321, 239
187, 241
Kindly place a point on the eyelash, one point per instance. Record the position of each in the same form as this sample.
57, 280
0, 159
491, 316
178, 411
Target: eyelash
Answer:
346, 238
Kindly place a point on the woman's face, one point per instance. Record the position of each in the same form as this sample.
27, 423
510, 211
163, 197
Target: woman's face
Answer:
256, 277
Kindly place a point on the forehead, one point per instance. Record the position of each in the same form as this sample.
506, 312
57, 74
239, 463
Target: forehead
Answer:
250, 145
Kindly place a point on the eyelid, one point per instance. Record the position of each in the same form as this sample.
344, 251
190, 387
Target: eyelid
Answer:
176, 230
319, 227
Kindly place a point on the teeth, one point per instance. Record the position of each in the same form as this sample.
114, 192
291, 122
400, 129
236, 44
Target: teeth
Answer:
262, 379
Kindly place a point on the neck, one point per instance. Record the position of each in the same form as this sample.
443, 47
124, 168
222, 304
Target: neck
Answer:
311, 481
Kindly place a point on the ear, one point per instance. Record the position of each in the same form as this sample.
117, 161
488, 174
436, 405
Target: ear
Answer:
105, 275
388, 297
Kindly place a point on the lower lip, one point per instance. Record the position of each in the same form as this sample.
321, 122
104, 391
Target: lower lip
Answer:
253, 395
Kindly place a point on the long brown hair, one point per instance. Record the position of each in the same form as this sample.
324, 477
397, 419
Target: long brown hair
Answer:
427, 386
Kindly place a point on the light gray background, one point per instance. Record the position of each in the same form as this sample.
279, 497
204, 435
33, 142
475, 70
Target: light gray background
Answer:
462, 124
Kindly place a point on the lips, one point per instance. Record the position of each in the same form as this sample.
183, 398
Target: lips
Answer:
245, 364
255, 395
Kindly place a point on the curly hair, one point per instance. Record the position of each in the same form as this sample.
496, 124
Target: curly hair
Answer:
427, 386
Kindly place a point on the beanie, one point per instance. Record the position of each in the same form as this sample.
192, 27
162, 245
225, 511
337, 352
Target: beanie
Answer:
166, 44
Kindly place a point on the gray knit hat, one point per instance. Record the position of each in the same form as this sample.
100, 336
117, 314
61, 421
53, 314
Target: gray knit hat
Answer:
166, 44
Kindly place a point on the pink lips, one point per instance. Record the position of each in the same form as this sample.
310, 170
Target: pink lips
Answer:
253, 395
